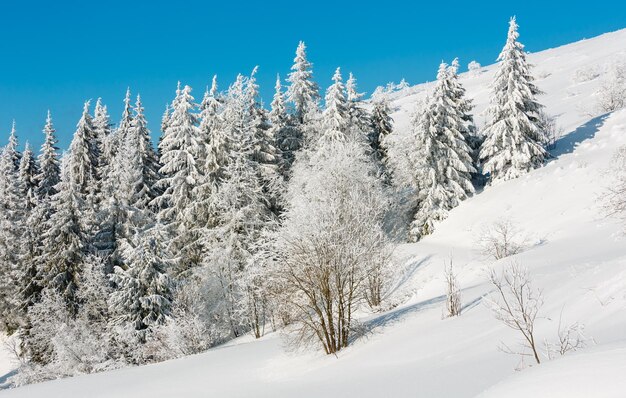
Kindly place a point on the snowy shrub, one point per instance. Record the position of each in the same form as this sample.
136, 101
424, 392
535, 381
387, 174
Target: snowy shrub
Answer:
551, 131
183, 334
474, 68
612, 92
543, 74
585, 74
516, 304
453, 292
571, 338
502, 239
615, 202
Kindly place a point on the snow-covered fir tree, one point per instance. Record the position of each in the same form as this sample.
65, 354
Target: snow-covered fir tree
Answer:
181, 148
102, 133
83, 161
288, 138
465, 106
144, 290
263, 153
381, 127
335, 118
214, 139
141, 168
360, 125
442, 160
12, 147
29, 175
49, 161
513, 133
303, 92
241, 215
12, 212
65, 241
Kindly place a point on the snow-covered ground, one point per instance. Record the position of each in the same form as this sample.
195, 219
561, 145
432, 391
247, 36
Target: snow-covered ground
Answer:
575, 254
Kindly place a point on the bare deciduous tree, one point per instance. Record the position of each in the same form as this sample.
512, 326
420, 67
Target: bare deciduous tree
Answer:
332, 246
517, 305
501, 239
615, 204
612, 92
453, 292
570, 338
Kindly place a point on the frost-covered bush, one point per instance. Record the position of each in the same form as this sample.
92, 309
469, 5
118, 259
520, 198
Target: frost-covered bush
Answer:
612, 92
585, 74
615, 204
501, 239
474, 68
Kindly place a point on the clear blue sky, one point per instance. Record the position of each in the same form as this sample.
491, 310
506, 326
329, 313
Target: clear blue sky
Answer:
57, 54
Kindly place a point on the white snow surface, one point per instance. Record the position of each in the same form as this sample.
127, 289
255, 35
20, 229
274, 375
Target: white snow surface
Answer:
576, 255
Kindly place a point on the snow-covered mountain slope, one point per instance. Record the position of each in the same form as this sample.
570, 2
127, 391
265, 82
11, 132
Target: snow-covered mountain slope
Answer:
575, 254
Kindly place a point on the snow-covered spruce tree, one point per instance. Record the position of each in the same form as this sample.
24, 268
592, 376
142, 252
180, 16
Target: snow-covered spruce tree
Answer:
331, 243
143, 293
28, 289
35, 227
181, 148
264, 153
29, 175
165, 121
136, 173
303, 92
49, 162
360, 124
215, 151
242, 213
12, 211
513, 133
66, 238
12, 148
83, 161
142, 163
335, 118
288, 138
442, 160
381, 127
464, 106
102, 133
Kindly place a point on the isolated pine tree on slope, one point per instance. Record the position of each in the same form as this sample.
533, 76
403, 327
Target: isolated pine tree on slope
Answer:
512, 145
442, 162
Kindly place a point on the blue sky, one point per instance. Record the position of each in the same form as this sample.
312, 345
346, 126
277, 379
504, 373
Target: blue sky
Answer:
55, 55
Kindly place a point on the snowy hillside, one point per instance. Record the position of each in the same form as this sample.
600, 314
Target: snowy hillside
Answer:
574, 253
